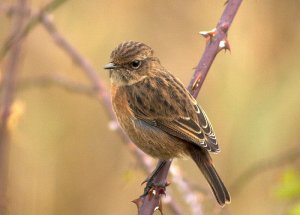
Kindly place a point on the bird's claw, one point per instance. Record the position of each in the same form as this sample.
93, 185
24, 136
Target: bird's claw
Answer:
155, 189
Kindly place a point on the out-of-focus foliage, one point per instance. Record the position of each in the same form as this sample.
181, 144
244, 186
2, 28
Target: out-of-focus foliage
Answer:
295, 210
64, 158
289, 189
289, 186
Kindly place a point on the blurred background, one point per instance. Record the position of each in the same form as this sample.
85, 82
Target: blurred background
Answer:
63, 157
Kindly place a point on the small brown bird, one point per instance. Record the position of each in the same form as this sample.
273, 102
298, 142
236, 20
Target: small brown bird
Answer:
159, 115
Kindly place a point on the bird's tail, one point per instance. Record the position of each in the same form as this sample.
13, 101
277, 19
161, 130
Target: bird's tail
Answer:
204, 162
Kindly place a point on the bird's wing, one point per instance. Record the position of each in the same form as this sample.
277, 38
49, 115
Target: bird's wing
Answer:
164, 102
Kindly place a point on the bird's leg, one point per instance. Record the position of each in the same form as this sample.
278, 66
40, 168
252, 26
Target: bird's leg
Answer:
150, 184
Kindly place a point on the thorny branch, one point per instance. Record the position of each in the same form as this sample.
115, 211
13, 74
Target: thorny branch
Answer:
216, 41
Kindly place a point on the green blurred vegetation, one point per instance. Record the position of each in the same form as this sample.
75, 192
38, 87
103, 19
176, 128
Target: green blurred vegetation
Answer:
290, 185
289, 190
63, 157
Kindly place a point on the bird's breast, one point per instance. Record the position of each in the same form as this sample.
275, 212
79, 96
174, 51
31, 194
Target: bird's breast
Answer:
148, 138
121, 108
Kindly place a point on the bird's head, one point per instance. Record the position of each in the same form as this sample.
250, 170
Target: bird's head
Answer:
131, 62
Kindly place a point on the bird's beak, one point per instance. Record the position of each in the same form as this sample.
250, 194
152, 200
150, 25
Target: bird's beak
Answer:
110, 66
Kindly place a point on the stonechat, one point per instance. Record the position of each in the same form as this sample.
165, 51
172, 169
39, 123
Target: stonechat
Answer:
158, 113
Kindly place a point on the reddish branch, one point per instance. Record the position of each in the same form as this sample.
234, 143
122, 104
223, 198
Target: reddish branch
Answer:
214, 45
217, 40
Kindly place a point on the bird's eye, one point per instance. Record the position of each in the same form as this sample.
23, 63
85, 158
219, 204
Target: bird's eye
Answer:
135, 64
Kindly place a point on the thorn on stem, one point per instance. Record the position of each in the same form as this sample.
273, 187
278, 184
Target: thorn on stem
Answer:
224, 44
160, 207
208, 35
138, 202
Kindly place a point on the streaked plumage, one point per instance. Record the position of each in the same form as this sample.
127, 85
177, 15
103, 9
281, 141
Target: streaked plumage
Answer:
159, 114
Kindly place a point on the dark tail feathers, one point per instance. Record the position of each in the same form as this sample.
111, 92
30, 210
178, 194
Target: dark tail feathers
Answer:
204, 162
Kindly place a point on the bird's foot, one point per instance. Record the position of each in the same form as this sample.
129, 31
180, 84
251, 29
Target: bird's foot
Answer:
155, 189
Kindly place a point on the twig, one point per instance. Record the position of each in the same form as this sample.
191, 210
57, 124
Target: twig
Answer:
217, 40
10, 9
10, 75
152, 202
29, 26
57, 80
102, 94
189, 195
86, 67
8, 86
262, 166
175, 206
